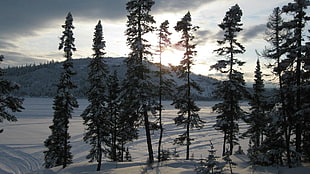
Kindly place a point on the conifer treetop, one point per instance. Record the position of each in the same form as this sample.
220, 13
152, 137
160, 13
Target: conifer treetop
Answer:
186, 26
98, 41
231, 25
139, 23
164, 35
67, 39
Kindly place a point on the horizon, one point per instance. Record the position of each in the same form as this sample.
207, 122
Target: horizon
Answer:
268, 85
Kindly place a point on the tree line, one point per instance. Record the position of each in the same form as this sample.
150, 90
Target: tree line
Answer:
279, 125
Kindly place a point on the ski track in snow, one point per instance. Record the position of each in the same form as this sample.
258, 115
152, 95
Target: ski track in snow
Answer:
16, 161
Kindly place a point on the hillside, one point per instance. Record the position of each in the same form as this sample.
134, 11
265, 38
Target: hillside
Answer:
40, 80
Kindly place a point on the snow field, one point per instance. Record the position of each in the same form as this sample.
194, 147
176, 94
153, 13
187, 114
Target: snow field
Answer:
21, 144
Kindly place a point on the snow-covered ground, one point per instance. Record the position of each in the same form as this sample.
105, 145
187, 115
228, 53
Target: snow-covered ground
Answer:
21, 145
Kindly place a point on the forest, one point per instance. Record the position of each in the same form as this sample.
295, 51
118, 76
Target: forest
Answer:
278, 124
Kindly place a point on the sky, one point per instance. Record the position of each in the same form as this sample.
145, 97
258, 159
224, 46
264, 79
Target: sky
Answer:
30, 29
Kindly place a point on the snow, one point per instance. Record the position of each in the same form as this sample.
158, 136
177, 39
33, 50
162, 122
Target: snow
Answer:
21, 145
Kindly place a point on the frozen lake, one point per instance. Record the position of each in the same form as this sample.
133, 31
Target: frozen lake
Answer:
24, 139
42, 107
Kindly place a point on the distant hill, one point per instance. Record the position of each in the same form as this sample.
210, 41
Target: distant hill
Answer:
40, 80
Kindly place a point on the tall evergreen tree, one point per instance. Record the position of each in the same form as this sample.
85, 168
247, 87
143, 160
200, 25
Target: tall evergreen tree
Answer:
8, 103
139, 97
233, 89
295, 54
58, 143
95, 115
257, 119
164, 41
188, 110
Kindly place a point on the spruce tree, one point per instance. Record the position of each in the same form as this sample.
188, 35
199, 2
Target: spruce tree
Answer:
257, 119
58, 143
164, 85
8, 103
95, 115
138, 96
232, 90
188, 110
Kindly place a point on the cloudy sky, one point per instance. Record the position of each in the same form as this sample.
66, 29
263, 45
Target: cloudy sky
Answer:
30, 29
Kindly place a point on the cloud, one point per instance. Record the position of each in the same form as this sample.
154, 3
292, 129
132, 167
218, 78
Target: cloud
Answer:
253, 32
19, 17
177, 5
12, 58
202, 36
6, 45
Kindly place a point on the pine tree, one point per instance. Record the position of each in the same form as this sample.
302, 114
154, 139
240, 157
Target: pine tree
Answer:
188, 111
164, 41
139, 97
58, 143
95, 115
233, 89
257, 119
295, 55
8, 103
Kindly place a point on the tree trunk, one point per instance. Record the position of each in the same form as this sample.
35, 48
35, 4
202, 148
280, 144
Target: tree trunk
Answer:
298, 83
160, 135
114, 153
65, 145
148, 135
64, 165
122, 152
231, 127
159, 143
99, 151
160, 106
187, 140
188, 102
224, 143
287, 144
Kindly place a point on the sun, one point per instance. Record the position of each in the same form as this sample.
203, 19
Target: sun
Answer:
169, 56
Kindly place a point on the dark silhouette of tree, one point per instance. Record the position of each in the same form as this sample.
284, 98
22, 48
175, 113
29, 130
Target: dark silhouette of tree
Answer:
138, 95
276, 35
233, 89
257, 119
8, 103
188, 110
58, 143
164, 41
295, 54
95, 115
